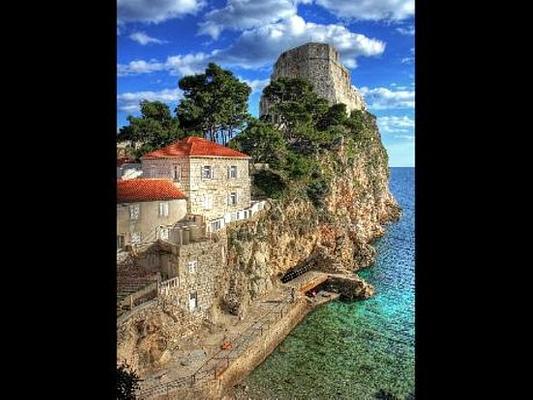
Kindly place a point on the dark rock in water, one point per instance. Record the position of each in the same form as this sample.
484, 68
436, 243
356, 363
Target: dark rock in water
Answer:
385, 395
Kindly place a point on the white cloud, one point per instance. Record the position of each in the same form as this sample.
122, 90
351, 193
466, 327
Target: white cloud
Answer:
410, 30
382, 98
144, 39
155, 11
374, 10
129, 101
257, 85
137, 67
246, 14
260, 47
399, 127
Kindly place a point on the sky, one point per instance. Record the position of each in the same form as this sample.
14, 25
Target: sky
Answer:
159, 41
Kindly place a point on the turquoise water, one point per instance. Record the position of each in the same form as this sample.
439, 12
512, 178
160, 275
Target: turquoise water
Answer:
355, 350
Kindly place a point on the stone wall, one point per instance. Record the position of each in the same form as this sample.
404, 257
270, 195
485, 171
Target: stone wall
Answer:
204, 278
195, 187
164, 168
144, 338
172, 261
219, 187
319, 64
148, 219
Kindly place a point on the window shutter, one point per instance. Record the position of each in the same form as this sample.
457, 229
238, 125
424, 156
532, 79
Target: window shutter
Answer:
229, 172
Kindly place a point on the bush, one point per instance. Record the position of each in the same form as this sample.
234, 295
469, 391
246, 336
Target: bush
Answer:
269, 184
127, 383
317, 190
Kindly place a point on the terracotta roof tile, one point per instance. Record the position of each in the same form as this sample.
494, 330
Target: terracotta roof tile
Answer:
196, 147
133, 190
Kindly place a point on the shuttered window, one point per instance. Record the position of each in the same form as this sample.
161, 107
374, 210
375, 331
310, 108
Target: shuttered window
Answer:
134, 211
163, 209
207, 172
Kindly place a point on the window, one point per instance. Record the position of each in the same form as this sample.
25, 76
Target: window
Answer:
207, 172
192, 266
136, 238
233, 171
216, 225
193, 301
120, 241
232, 199
176, 172
134, 211
208, 202
163, 209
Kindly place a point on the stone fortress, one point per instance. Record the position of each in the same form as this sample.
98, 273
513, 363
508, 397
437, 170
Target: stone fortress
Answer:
319, 64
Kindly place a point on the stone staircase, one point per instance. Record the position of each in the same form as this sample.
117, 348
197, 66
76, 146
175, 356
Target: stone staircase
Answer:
129, 281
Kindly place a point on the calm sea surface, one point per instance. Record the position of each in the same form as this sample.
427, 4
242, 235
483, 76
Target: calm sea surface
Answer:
353, 350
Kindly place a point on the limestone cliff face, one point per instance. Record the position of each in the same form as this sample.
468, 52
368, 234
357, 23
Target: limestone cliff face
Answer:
145, 341
333, 237
293, 232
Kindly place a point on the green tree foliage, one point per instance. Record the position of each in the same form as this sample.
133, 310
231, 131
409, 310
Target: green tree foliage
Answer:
336, 115
299, 127
269, 183
215, 104
127, 383
295, 107
263, 142
155, 128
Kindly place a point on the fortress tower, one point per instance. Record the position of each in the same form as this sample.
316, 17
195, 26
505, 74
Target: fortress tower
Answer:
319, 64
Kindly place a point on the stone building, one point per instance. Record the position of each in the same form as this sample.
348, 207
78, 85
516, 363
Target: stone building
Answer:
144, 206
190, 273
214, 178
128, 168
319, 64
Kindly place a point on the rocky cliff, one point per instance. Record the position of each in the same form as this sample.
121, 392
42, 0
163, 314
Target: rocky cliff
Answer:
330, 229
334, 236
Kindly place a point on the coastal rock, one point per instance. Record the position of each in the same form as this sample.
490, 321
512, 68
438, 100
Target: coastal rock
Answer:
335, 239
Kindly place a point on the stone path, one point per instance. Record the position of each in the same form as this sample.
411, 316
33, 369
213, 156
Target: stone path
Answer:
200, 357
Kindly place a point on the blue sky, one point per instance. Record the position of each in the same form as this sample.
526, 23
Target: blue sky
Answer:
161, 41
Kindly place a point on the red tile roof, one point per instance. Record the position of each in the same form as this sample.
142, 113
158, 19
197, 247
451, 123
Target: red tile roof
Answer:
133, 190
193, 146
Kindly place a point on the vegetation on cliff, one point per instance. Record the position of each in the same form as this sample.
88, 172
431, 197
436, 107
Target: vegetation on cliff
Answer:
128, 382
305, 131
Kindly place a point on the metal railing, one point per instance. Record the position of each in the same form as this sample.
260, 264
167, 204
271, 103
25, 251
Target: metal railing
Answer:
222, 358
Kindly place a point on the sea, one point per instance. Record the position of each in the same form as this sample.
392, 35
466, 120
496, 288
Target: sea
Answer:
356, 350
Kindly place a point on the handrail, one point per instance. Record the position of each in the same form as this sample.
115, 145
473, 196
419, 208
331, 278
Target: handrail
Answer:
214, 372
